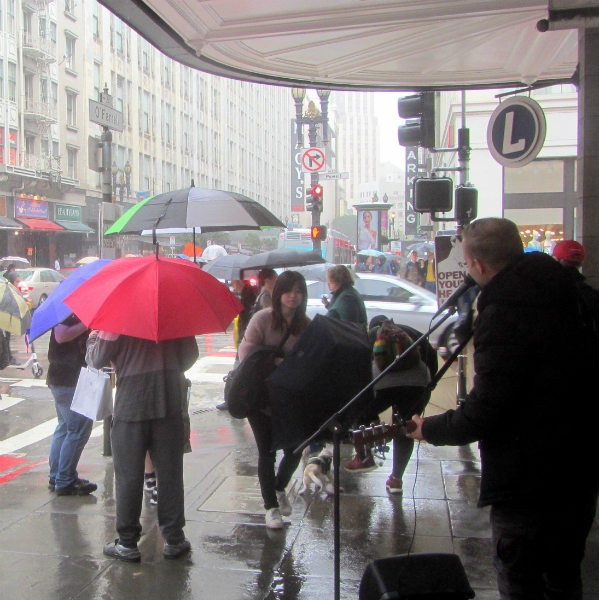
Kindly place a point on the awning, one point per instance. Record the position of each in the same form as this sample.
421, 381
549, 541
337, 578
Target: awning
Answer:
6, 223
75, 226
41, 224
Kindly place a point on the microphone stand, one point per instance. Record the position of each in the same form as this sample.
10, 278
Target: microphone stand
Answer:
334, 424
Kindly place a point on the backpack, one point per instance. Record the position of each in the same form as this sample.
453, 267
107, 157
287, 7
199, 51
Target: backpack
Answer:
392, 341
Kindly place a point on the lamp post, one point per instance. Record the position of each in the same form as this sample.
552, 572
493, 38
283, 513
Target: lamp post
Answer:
124, 182
313, 118
393, 225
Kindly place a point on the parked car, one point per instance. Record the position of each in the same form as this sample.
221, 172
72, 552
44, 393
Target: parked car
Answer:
398, 299
38, 283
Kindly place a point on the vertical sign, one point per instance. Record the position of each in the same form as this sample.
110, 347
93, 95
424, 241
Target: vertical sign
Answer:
410, 222
297, 177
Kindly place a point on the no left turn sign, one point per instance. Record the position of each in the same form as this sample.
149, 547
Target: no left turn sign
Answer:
313, 160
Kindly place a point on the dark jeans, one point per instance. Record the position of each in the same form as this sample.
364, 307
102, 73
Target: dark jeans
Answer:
407, 401
69, 439
270, 483
164, 440
539, 546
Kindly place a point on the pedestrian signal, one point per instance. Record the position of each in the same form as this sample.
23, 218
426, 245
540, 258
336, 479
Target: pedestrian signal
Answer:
318, 232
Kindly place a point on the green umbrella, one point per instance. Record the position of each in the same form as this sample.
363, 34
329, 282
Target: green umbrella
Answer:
192, 207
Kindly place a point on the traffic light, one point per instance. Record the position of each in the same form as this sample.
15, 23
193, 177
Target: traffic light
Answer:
316, 193
318, 232
420, 131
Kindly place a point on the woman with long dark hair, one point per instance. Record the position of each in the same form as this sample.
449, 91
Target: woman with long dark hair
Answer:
281, 325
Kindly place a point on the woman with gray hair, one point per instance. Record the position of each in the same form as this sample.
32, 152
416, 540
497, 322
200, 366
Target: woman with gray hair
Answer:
346, 304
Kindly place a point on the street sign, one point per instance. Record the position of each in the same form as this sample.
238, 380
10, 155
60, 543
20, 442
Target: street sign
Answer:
313, 160
104, 115
516, 131
334, 175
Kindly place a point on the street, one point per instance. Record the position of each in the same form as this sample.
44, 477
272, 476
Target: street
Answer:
51, 547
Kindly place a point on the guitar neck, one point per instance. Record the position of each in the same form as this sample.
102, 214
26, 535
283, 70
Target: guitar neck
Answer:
375, 435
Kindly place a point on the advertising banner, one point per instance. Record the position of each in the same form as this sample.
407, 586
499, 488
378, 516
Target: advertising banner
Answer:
368, 229
297, 176
451, 266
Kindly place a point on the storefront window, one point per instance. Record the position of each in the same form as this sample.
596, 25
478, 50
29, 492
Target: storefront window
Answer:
536, 177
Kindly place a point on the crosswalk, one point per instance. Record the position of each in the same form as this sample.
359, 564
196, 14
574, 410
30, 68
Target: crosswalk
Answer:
208, 369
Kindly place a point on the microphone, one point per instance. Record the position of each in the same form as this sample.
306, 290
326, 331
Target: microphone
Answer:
453, 299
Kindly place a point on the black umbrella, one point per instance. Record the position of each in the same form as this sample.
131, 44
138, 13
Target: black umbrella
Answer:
327, 367
226, 267
192, 207
283, 258
315, 272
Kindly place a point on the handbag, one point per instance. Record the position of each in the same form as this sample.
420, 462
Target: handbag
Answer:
93, 394
245, 387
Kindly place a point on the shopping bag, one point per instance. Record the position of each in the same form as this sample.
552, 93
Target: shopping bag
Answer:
93, 394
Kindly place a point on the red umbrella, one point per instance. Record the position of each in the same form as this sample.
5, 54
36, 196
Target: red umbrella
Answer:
155, 299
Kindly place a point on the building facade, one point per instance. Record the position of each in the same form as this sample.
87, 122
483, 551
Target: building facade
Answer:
180, 125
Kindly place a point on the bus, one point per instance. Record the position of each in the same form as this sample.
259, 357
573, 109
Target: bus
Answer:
337, 248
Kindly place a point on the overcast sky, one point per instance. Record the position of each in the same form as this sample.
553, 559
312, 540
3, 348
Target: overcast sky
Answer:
386, 111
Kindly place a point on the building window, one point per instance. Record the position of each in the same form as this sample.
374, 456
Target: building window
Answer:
146, 112
145, 55
167, 124
118, 32
10, 16
54, 96
120, 86
1, 145
12, 82
72, 163
536, 177
69, 7
70, 53
97, 80
1, 78
53, 32
146, 173
96, 21
42, 26
167, 71
71, 109
29, 144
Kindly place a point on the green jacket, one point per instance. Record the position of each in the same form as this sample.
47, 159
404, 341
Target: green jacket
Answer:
348, 306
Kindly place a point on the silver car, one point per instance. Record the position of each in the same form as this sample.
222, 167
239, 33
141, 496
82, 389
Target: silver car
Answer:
37, 283
398, 299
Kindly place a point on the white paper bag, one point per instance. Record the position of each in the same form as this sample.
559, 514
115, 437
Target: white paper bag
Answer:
93, 394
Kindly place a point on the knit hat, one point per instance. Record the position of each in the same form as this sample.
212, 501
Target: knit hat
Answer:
570, 251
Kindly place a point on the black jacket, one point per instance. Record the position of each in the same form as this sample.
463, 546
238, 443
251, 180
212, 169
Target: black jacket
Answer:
534, 363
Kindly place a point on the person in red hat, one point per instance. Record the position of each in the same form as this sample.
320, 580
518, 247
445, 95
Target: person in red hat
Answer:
569, 253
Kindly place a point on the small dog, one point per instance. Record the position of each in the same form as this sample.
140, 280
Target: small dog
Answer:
317, 471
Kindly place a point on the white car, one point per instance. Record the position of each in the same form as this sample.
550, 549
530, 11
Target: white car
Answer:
38, 283
398, 299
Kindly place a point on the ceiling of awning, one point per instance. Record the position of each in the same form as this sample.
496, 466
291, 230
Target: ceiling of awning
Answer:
359, 44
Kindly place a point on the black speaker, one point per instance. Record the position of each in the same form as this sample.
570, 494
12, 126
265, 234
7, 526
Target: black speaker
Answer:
414, 577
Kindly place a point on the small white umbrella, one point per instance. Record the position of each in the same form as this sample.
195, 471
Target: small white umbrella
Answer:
86, 260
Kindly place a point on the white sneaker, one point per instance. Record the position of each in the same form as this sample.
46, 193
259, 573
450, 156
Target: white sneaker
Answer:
284, 506
273, 519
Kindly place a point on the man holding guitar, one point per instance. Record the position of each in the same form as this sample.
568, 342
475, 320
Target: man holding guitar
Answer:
542, 497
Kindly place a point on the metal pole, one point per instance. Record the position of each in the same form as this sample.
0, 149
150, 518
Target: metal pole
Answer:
106, 140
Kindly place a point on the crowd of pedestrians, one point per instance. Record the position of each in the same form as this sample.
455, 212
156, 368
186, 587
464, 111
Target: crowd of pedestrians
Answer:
513, 409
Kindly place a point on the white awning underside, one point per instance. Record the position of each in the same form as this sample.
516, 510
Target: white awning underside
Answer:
359, 44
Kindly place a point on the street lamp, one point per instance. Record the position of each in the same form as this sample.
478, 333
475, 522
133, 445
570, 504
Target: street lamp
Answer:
124, 182
392, 225
313, 118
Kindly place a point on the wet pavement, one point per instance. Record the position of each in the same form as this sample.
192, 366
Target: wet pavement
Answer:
51, 547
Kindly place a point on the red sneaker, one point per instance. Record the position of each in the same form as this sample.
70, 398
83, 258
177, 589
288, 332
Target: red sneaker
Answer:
394, 485
357, 465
